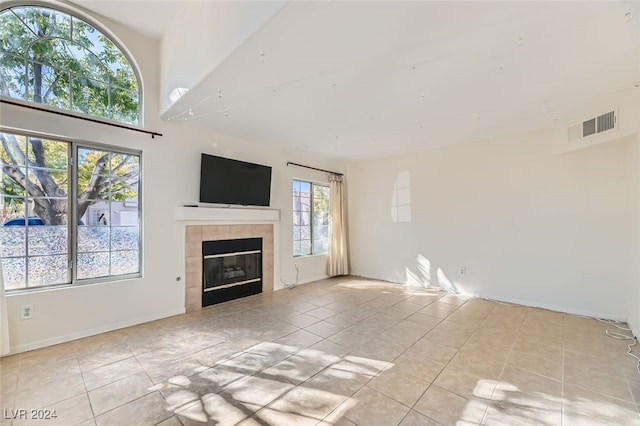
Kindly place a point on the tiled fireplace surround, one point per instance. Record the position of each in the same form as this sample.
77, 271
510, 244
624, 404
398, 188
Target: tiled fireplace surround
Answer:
196, 234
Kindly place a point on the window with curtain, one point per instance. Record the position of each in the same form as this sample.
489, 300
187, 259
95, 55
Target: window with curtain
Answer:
70, 212
311, 207
50, 57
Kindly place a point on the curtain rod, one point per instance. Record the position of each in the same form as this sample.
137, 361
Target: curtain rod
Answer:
79, 117
314, 168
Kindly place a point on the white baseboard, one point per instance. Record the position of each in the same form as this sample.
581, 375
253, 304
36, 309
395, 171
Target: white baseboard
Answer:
92, 332
528, 303
306, 281
635, 328
556, 308
314, 279
369, 277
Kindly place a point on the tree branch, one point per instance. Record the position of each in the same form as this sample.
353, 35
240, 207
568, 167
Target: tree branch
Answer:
101, 164
44, 176
91, 193
38, 151
4, 87
121, 165
119, 179
11, 147
21, 179
51, 211
97, 182
50, 89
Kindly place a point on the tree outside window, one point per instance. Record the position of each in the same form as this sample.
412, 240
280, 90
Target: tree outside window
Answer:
310, 218
61, 223
53, 58
70, 211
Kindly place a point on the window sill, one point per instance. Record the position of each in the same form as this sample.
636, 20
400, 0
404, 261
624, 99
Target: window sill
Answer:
54, 287
302, 256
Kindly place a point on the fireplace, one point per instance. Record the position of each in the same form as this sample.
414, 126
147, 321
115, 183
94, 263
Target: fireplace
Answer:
209, 230
231, 269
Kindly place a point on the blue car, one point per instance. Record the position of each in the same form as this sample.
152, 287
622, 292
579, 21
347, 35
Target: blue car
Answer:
32, 221
20, 221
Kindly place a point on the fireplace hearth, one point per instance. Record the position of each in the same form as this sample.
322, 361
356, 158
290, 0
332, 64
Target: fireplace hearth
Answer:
231, 269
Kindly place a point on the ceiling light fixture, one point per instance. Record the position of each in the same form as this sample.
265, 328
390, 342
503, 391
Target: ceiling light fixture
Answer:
219, 93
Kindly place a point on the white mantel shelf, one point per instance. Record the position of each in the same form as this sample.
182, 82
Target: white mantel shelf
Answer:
221, 214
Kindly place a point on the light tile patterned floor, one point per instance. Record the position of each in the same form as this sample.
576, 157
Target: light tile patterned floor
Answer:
344, 351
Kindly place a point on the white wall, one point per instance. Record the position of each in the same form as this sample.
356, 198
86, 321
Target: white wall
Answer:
202, 35
170, 170
529, 226
311, 268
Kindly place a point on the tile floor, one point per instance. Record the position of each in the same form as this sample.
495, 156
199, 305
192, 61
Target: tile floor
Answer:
343, 351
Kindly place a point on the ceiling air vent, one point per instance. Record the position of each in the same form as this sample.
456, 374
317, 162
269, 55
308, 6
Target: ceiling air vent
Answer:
592, 126
588, 127
606, 121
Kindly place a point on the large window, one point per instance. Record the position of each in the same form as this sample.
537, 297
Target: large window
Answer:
51, 57
70, 212
310, 218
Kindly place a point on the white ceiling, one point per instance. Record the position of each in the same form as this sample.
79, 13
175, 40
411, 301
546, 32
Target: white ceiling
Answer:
148, 17
358, 80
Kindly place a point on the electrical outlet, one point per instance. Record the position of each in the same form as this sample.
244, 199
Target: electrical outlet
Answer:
26, 311
463, 271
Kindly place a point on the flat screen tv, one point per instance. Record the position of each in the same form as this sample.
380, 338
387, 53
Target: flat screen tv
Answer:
227, 181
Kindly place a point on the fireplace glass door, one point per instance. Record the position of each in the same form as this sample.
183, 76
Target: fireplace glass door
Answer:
230, 269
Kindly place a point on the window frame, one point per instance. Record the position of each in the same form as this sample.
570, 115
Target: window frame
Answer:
91, 21
72, 213
311, 217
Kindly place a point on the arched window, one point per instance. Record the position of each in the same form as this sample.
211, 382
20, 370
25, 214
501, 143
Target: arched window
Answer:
53, 58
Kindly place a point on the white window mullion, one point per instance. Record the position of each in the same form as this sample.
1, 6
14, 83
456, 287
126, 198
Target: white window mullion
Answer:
73, 213
312, 209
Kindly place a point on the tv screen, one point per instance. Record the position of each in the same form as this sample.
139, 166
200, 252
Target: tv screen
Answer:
227, 181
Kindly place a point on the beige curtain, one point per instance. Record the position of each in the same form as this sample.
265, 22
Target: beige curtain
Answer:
338, 253
5, 346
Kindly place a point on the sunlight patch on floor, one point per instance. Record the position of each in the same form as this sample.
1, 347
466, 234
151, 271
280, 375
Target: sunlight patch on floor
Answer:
274, 388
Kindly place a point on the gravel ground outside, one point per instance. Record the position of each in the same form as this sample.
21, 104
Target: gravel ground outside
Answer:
102, 250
